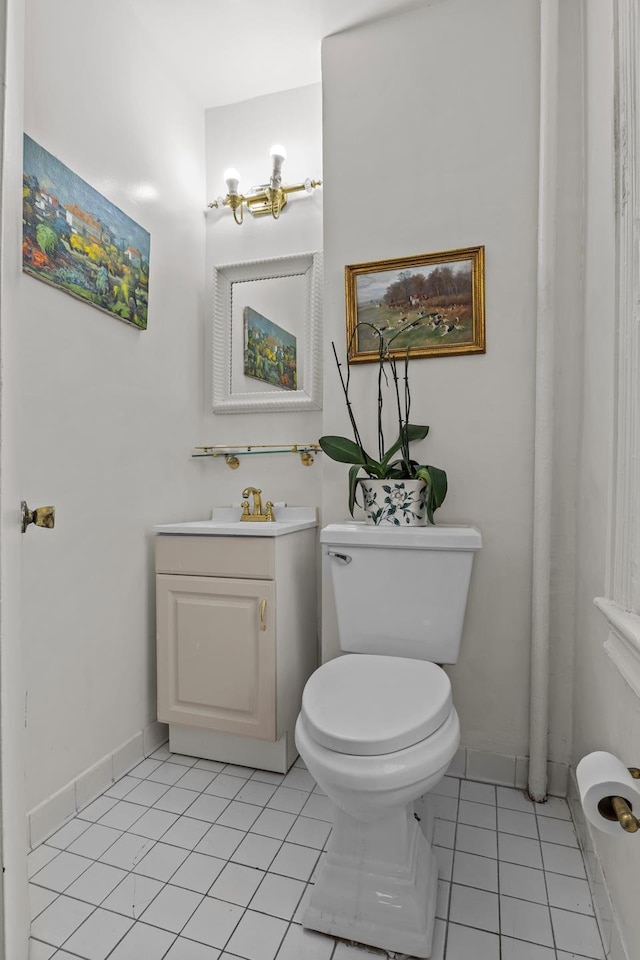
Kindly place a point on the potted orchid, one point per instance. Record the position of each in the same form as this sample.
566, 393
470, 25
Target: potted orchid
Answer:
396, 489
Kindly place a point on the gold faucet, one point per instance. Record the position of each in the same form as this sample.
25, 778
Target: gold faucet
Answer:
257, 514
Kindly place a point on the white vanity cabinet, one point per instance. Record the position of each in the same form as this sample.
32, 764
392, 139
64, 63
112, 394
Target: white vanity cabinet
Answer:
236, 641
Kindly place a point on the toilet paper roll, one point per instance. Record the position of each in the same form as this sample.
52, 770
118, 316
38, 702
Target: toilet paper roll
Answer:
600, 775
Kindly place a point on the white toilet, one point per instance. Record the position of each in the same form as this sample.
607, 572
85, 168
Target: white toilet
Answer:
378, 728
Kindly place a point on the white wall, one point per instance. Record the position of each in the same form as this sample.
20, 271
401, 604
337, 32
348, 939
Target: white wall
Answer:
108, 414
240, 136
431, 143
606, 711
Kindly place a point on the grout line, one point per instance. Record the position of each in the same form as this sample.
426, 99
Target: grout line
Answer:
453, 861
499, 888
286, 876
546, 888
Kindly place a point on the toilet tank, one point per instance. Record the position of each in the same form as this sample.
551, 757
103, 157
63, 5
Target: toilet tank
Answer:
400, 592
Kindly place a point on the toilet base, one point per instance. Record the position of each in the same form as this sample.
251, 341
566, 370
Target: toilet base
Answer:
378, 885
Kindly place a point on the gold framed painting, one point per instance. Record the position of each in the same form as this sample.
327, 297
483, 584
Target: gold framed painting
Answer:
431, 304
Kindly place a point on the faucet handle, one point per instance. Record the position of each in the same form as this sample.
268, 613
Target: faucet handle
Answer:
256, 513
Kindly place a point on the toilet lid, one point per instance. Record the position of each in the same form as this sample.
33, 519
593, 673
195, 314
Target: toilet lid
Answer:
368, 705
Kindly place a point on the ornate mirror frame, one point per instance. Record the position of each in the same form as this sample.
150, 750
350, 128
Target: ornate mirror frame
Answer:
304, 299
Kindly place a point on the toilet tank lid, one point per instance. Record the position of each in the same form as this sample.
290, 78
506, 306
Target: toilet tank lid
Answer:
449, 537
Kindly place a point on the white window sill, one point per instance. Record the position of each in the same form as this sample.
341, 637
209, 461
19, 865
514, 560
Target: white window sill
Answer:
623, 643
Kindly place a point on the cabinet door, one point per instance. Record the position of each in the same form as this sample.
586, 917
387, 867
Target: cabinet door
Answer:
216, 654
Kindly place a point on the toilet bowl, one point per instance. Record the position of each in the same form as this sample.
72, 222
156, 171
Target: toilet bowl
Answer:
377, 732
372, 730
378, 728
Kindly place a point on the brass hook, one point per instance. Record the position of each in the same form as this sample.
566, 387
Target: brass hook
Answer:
41, 516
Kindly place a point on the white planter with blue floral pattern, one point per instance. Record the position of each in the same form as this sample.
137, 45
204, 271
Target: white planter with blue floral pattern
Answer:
401, 502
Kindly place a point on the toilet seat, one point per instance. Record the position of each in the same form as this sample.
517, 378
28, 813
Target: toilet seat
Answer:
370, 705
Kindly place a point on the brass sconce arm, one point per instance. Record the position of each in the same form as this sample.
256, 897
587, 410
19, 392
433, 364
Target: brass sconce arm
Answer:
262, 202
268, 199
273, 200
235, 202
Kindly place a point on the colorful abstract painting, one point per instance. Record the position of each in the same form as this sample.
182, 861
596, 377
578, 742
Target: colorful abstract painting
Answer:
269, 351
77, 240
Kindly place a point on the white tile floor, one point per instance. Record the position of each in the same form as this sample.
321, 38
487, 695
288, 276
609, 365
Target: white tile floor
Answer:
195, 860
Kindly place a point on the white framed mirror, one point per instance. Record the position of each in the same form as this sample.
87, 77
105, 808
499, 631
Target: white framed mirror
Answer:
267, 347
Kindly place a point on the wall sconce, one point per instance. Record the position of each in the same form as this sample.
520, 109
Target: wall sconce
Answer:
268, 198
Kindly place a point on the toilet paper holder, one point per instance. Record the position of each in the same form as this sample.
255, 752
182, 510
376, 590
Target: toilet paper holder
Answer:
617, 808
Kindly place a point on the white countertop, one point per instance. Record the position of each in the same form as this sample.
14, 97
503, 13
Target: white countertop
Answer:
225, 522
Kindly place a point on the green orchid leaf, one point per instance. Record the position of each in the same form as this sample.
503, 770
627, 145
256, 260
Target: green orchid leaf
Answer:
413, 431
422, 473
436, 481
399, 470
438, 486
416, 432
353, 486
343, 450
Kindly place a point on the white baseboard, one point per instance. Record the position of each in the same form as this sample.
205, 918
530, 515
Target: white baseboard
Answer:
605, 914
505, 770
53, 812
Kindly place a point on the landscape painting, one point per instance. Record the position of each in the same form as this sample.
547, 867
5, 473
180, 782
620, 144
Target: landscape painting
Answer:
77, 240
428, 304
269, 351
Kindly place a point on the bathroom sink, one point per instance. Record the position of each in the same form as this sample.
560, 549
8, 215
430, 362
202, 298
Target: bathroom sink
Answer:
225, 522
